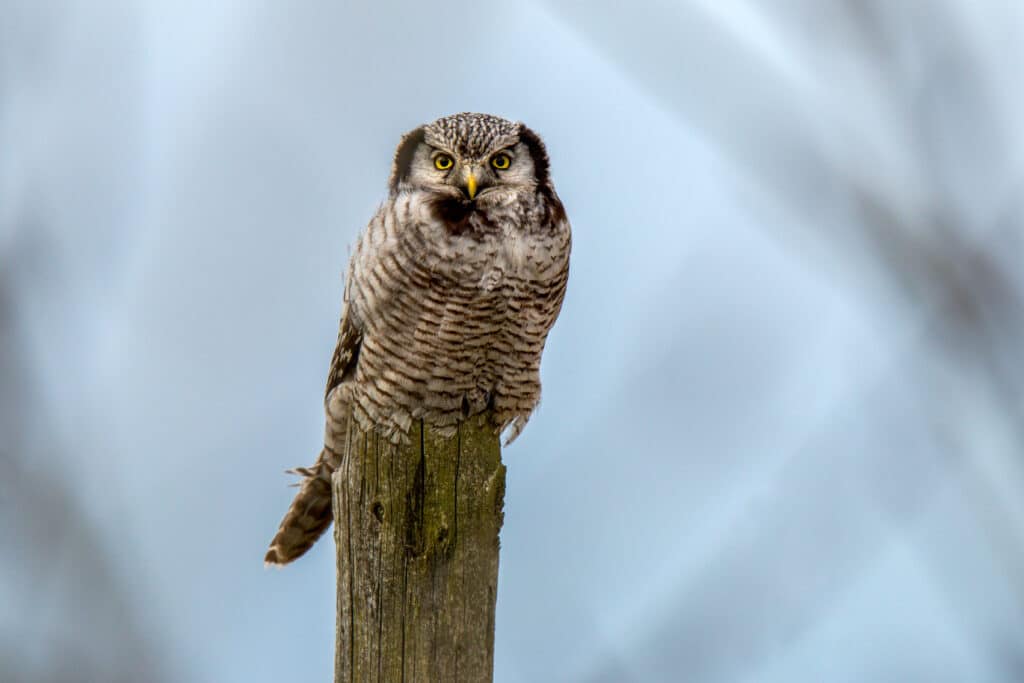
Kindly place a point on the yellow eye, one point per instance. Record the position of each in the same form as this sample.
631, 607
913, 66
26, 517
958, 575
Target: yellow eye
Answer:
501, 161
443, 162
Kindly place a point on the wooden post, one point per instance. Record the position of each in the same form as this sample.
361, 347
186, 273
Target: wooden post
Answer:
416, 528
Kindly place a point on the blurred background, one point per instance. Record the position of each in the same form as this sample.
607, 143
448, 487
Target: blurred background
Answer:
782, 435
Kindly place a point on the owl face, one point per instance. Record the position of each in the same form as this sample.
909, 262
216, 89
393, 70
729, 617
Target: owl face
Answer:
472, 157
492, 171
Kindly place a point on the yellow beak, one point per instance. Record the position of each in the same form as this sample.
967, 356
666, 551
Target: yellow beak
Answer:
471, 185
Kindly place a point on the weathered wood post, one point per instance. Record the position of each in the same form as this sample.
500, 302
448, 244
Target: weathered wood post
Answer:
416, 528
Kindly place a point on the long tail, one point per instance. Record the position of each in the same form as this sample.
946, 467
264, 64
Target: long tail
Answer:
309, 515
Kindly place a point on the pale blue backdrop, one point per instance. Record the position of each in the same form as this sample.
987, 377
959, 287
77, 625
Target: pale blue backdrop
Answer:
782, 434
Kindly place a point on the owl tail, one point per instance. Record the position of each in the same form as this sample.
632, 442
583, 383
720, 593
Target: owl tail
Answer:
309, 514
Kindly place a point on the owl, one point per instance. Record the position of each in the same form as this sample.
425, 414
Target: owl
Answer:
450, 294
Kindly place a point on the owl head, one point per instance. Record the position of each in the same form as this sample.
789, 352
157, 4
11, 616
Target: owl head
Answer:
471, 157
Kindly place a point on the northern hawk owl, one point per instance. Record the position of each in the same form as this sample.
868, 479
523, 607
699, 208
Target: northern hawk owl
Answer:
450, 293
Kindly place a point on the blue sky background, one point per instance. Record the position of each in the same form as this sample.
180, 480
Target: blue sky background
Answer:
782, 433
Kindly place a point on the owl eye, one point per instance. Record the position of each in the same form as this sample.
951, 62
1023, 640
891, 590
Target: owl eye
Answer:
501, 161
443, 162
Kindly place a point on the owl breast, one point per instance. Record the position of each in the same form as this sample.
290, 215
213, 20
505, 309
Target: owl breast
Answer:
454, 321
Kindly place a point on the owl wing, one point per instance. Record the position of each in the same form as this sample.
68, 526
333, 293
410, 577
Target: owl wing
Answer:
346, 353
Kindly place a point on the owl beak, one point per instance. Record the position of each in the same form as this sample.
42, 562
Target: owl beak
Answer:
471, 184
